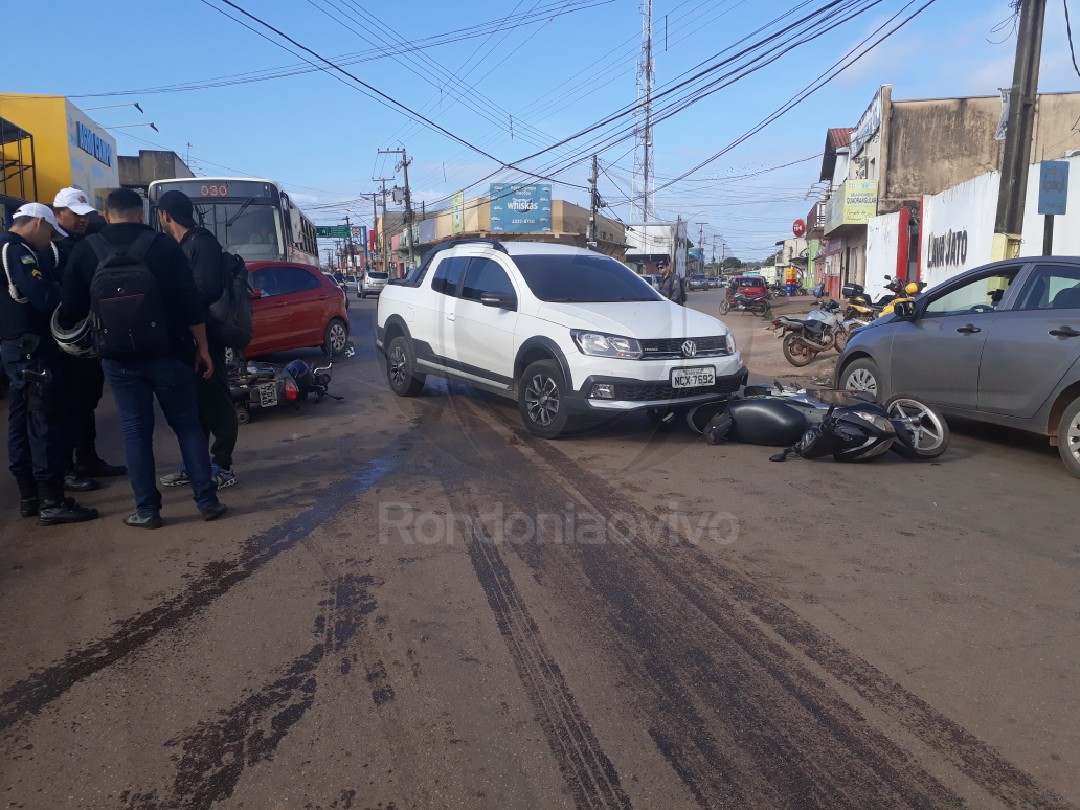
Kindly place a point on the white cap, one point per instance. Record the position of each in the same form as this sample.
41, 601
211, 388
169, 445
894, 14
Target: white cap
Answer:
75, 199
40, 211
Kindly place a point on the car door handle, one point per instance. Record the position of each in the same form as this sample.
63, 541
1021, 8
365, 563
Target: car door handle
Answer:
451, 316
968, 329
1065, 331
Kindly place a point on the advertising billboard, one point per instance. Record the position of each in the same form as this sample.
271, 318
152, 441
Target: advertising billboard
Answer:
854, 203
520, 208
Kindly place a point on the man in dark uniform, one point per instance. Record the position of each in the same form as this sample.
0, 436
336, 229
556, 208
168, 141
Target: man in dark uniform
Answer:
82, 375
217, 411
36, 429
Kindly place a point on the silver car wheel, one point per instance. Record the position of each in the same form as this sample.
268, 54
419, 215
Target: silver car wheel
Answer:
1072, 438
862, 380
542, 399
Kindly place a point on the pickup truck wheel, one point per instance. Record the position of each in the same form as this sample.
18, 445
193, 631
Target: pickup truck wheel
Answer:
1069, 438
542, 399
401, 369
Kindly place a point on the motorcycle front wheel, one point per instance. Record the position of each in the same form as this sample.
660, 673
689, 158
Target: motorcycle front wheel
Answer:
724, 307
796, 351
926, 427
760, 308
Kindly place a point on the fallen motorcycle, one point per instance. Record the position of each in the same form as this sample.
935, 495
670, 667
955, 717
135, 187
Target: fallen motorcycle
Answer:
848, 425
255, 386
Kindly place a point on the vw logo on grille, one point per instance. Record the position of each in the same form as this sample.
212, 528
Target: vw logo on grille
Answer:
689, 348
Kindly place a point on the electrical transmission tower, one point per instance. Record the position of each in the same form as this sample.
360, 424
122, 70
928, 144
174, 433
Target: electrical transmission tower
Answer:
643, 141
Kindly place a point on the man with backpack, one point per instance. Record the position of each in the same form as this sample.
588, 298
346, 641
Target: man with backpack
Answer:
210, 266
150, 333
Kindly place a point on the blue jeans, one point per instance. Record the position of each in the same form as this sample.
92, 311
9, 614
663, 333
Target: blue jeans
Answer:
135, 383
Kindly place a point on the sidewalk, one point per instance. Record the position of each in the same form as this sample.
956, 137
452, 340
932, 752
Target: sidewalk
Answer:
761, 351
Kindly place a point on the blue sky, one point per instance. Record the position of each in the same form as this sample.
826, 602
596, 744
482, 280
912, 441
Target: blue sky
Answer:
518, 76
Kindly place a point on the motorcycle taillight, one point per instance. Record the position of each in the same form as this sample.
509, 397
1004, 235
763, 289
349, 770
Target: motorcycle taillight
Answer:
292, 393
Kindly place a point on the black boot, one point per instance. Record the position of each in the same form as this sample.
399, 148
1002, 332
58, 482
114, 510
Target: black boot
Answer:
28, 496
56, 509
88, 464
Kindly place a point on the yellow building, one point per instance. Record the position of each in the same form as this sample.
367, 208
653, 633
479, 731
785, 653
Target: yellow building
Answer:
69, 148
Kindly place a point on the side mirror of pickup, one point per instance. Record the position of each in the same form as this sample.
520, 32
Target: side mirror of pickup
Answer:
499, 300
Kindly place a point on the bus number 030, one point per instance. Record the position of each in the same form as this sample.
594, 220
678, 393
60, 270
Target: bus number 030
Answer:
214, 191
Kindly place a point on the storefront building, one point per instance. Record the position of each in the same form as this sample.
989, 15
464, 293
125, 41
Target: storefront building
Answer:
70, 149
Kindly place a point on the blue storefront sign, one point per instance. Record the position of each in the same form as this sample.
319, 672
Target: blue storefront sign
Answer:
520, 209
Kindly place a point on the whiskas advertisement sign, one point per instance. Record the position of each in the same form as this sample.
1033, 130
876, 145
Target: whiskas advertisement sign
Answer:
520, 209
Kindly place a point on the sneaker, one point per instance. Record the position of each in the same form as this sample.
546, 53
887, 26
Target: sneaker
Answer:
223, 477
176, 479
144, 521
213, 512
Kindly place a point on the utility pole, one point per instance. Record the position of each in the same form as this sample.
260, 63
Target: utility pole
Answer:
330, 259
404, 165
594, 203
383, 243
1012, 191
701, 243
350, 262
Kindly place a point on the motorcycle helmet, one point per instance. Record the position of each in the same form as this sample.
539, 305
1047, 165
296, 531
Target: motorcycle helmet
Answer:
912, 288
77, 341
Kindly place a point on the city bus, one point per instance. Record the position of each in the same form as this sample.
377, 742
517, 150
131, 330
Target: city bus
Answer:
251, 217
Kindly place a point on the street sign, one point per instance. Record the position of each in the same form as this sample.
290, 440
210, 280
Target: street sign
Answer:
1053, 187
332, 231
798, 227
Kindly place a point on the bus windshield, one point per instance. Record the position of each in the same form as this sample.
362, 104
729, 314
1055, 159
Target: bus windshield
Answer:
250, 228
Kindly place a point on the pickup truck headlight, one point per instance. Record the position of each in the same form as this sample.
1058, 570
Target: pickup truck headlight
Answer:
598, 344
730, 343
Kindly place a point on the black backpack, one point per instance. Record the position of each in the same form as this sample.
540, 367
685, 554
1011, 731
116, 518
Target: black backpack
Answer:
126, 305
231, 313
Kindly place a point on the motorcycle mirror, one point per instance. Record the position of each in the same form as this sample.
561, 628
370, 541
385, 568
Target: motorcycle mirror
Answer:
779, 457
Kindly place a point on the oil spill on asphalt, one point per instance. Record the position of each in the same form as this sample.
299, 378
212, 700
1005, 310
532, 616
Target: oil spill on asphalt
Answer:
216, 578
214, 755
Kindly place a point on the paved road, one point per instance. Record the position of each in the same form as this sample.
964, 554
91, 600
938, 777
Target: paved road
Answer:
415, 604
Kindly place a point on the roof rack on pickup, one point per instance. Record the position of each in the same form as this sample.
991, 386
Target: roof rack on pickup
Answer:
494, 243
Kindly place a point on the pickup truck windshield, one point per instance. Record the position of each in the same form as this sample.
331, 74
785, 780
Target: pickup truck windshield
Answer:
580, 278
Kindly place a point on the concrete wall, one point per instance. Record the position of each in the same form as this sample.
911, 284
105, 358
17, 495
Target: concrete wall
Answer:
151, 165
938, 143
882, 244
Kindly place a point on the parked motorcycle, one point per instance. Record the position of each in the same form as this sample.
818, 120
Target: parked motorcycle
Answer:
815, 332
849, 426
741, 302
267, 385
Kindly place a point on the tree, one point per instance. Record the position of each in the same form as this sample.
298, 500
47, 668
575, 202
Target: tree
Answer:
770, 261
731, 262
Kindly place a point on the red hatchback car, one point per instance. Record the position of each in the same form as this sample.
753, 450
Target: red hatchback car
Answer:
296, 306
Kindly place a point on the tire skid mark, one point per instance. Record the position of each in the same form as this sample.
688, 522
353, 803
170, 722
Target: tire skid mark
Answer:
215, 579
586, 769
215, 754
718, 591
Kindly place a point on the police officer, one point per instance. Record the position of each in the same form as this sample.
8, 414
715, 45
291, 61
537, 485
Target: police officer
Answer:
36, 434
83, 377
